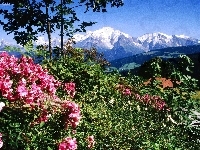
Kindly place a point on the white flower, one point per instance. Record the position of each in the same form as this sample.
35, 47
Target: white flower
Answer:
1, 142
138, 107
2, 104
112, 101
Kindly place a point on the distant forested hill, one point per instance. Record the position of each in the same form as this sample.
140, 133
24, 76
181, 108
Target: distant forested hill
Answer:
166, 53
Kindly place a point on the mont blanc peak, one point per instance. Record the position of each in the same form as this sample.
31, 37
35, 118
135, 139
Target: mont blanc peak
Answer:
106, 36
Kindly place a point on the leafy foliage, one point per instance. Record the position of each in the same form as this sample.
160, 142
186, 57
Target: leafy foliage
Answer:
119, 111
122, 122
31, 19
28, 18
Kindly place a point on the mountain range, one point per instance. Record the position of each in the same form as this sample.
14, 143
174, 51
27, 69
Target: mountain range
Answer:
115, 44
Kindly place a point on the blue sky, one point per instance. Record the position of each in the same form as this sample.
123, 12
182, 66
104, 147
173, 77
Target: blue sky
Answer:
138, 17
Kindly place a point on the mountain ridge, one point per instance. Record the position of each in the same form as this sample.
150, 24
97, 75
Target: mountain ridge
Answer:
125, 45
115, 44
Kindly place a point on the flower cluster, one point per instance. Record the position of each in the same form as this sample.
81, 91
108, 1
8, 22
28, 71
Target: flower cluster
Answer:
126, 91
90, 141
21, 79
28, 85
68, 144
71, 113
154, 101
70, 89
1, 142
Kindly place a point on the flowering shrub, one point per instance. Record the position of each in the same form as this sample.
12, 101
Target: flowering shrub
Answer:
24, 80
123, 89
127, 92
154, 101
28, 95
68, 144
116, 116
71, 112
70, 88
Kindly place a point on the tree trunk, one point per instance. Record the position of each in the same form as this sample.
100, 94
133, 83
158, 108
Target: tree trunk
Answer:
49, 32
49, 37
61, 32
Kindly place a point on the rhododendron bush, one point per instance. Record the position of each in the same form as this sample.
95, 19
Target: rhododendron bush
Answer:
31, 115
40, 109
120, 112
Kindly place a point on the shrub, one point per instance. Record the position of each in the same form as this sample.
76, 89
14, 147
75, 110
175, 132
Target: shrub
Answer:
32, 116
116, 112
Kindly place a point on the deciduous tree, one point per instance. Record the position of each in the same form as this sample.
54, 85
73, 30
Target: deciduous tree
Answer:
27, 18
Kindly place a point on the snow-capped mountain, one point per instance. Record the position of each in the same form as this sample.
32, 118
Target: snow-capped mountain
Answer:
107, 38
116, 44
113, 43
161, 40
104, 38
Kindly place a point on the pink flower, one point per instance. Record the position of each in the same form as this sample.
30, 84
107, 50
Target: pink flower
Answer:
91, 141
1, 142
44, 116
71, 113
160, 105
21, 89
2, 104
68, 144
5, 83
146, 99
127, 92
70, 88
154, 101
32, 80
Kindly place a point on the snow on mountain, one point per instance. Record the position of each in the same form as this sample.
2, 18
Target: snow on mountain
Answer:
4, 43
182, 36
161, 40
54, 41
156, 37
113, 43
116, 44
108, 38
104, 37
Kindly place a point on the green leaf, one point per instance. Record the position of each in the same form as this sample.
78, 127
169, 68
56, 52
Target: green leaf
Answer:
28, 148
42, 124
48, 148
